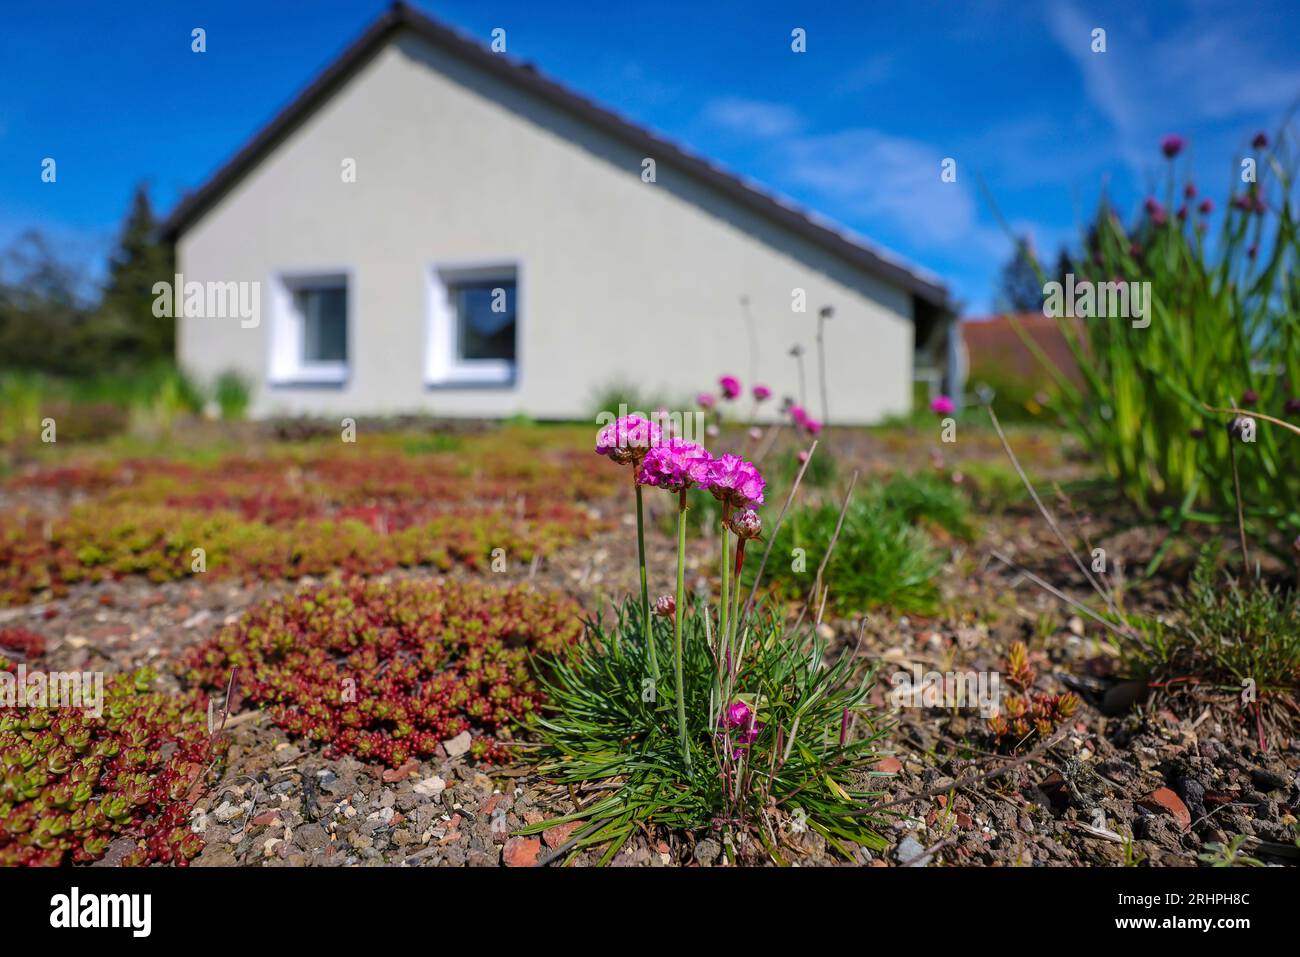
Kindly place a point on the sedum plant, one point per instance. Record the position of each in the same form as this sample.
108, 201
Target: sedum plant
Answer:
388, 671
71, 782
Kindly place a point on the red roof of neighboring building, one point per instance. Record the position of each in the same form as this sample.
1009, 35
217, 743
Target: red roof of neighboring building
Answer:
994, 347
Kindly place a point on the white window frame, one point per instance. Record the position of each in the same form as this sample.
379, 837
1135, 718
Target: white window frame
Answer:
288, 367
442, 363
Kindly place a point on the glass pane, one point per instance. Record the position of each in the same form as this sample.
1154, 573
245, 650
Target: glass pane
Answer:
486, 314
324, 323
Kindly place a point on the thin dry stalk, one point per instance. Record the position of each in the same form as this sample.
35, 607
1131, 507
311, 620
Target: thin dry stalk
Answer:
1051, 520
771, 539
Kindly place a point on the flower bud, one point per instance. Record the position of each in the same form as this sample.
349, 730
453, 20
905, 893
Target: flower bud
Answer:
665, 606
746, 524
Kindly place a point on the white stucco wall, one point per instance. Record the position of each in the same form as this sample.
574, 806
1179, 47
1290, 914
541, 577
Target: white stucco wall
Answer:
620, 279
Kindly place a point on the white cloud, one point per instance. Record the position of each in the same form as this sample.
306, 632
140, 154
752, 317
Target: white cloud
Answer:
755, 118
1212, 67
871, 176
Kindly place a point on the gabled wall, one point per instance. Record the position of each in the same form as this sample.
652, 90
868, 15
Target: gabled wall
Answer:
621, 279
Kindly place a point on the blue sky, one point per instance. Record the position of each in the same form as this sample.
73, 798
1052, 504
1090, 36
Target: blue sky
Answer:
855, 128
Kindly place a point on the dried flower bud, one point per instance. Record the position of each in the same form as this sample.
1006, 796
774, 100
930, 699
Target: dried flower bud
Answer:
665, 606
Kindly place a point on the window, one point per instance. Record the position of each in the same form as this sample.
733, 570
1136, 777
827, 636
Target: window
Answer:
474, 326
309, 334
324, 313
485, 320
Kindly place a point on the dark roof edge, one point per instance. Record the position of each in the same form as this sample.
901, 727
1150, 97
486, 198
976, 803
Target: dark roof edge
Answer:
400, 16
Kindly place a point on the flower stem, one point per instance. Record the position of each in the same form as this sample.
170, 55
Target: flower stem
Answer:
735, 614
725, 607
652, 660
677, 627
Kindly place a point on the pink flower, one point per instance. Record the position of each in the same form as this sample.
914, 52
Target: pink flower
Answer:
706, 400
730, 386
762, 393
1155, 210
736, 482
942, 405
1260, 141
798, 414
1206, 207
627, 439
737, 723
1189, 191
676, 465
736, 715
665, 606
1171, 146
812, 425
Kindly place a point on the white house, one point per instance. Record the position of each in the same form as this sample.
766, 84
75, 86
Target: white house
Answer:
435, 227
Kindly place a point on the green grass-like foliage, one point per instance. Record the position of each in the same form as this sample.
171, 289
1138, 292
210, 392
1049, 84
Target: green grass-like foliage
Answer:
882, 557
928, 499
1224, 323
598, 726
1228, 631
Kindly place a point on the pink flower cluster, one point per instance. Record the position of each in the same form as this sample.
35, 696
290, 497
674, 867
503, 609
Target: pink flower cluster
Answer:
628, 439
942, 405
676, 465
673, 463
736, 482
804, 420
730, 386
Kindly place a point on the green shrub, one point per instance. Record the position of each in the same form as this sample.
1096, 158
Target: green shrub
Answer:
880, 558
232, 394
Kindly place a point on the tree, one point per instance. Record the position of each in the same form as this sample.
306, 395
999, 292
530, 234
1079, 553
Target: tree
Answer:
1019, 287
124, 330
43, 309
